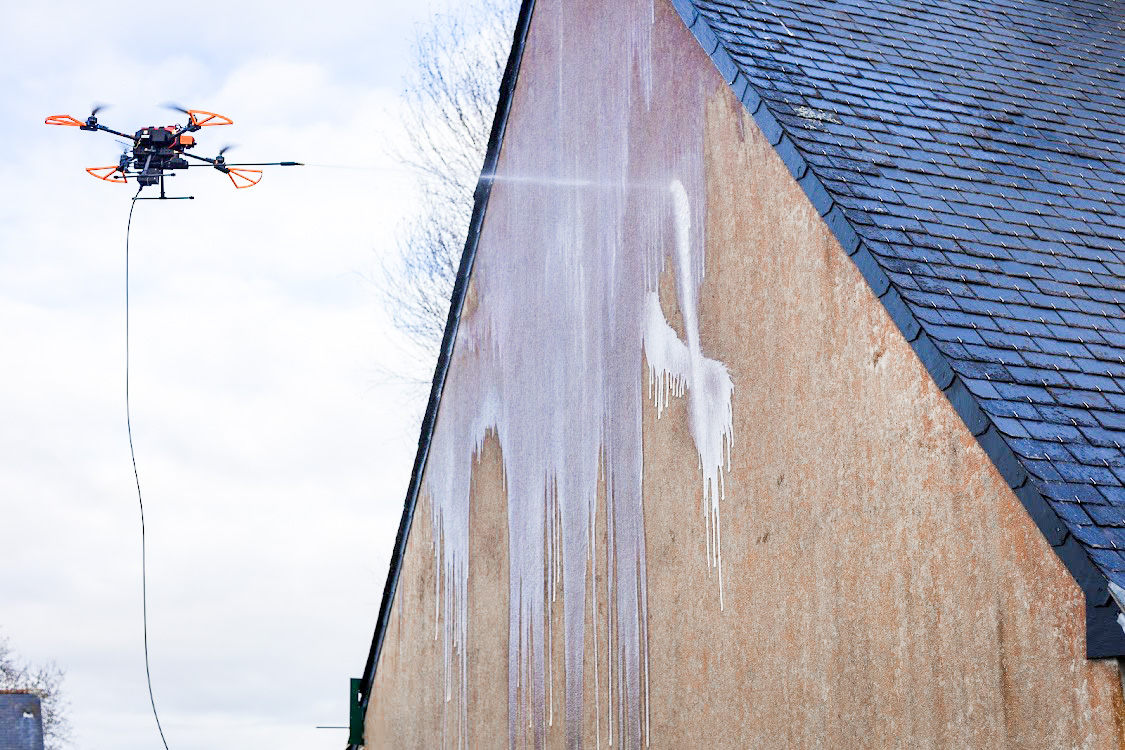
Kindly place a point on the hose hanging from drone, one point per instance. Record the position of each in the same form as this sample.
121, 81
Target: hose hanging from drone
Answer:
136, 475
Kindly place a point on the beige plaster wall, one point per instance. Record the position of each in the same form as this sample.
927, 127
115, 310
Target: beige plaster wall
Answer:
409, 709
883, 586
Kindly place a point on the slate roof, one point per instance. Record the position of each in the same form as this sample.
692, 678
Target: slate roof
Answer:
968, 154
21, 721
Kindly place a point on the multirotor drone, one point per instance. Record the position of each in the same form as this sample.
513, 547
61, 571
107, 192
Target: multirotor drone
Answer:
157, 152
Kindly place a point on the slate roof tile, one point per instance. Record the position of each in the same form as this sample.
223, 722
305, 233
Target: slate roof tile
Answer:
1036, 376
1078, 493
1008, 408
1076, 513
1110, 560
1113, 495
1103, 437
1092, 536
1093, 455
1013, 428
1105, 515
1043, 469
1068, 415
1061, 433
976, 152
1040, 449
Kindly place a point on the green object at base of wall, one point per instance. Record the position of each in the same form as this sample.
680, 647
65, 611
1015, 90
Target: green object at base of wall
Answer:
355, 720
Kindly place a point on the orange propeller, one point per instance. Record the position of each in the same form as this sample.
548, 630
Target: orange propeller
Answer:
109, 174
245, 177
63, 120
202, 119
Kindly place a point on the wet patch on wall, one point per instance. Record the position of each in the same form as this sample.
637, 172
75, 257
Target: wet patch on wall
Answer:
599, 189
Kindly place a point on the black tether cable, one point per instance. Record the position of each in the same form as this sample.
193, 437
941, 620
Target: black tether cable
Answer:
137, 477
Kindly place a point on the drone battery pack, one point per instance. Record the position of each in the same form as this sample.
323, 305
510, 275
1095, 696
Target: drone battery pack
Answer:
158, 137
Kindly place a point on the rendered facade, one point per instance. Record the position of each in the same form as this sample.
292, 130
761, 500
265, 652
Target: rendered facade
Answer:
705, 464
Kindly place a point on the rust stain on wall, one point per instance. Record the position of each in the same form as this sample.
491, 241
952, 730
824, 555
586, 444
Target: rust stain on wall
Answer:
886, 587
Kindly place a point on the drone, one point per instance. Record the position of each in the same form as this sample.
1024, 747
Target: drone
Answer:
158, 152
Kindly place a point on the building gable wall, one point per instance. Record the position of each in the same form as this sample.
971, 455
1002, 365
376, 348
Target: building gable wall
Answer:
881, 584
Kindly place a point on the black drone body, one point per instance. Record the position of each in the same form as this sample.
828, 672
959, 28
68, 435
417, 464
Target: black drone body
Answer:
159, 152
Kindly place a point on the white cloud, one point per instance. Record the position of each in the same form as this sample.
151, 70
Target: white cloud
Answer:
273, 461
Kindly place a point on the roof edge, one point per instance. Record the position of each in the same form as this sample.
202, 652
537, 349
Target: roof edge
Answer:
445, 353
1104, 637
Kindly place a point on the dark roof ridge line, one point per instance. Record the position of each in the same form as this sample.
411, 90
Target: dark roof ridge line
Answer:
445, 353
1104, 637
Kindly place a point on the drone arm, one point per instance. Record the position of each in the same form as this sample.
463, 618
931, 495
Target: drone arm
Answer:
267, 164
241, 178
209, 162
190, 127
111, 130
254, 163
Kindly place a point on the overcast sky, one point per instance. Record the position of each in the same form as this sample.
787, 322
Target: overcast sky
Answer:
273, 448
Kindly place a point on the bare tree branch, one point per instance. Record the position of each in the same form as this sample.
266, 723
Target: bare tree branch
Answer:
450, 101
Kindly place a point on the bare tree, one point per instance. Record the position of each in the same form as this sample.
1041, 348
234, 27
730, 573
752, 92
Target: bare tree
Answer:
450, 100
45, 680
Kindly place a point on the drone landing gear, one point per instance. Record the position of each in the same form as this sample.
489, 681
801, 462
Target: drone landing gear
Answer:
164, 197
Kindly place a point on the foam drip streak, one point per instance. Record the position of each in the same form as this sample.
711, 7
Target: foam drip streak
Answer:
642, 579
707, 381
597, 684
612, 654
548, 598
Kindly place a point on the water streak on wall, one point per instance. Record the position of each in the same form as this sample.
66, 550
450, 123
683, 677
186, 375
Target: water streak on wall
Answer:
596, 190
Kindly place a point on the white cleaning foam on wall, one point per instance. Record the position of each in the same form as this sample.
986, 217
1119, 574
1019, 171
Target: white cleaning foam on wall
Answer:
549, 360
674, 367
